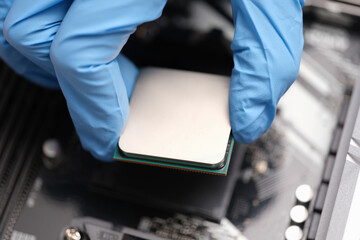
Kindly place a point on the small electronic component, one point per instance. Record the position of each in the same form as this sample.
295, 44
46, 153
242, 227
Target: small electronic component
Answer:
304, 194
294, 233
299, 214
184, 227
178, 227
178, 119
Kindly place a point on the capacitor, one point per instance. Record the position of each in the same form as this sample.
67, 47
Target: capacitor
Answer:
51, 148
293, 233
299, 214
304, 194
52, 152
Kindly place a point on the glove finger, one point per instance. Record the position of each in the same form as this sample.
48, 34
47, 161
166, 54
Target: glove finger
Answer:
17, 61
84, 54
31, 27
267, 49
129, 73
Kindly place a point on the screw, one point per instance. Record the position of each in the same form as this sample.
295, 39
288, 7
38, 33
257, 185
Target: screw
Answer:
72, 233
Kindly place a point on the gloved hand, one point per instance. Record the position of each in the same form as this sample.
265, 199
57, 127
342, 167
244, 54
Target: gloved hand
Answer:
78, 43
267, 49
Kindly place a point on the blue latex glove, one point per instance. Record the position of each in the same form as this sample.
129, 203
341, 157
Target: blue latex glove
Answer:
17, 61
79, 42
267, 49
